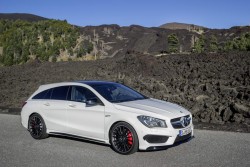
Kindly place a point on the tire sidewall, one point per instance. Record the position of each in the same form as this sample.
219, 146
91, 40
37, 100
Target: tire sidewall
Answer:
135, 145
44, 130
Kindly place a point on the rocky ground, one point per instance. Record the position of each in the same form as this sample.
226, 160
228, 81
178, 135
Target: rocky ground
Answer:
214, 87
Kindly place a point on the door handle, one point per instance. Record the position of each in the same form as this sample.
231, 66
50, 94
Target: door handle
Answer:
47, 104
72, 105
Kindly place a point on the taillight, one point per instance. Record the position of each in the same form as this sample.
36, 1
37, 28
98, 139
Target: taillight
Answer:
24, 104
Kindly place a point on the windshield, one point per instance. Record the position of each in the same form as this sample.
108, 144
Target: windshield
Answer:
116, 93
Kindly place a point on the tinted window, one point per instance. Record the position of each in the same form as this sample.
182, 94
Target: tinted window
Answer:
81, 94
115, 92
43, 95
60, 93
48, 94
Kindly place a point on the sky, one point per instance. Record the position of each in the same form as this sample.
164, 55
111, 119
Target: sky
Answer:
148, 13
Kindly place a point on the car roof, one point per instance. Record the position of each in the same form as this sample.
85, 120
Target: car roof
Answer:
86, 82
95, 82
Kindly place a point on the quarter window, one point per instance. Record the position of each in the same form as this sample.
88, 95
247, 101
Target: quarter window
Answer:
48, 94
43, 95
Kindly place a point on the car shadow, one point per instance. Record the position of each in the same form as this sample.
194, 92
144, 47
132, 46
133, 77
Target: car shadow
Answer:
79, 140
161, 148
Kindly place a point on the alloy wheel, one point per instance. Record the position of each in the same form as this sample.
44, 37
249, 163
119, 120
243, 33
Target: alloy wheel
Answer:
122, 139
35, 126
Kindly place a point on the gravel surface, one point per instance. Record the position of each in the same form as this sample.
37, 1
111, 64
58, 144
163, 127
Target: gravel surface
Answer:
208, 148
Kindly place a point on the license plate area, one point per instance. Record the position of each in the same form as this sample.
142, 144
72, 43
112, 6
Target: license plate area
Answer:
184, 132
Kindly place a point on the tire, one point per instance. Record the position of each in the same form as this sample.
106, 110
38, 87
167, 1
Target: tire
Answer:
37, 127
124, 139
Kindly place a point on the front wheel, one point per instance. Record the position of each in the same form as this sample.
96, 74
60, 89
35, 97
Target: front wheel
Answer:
37, 127
124, 139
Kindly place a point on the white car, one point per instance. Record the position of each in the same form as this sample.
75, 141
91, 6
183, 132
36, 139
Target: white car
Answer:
105, 112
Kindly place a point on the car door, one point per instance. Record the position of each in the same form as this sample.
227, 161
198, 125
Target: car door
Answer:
55, 109
84, 119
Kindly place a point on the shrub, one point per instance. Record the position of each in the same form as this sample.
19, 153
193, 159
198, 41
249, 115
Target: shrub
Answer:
173, 43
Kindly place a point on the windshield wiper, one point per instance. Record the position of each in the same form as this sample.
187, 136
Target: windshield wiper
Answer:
138, 99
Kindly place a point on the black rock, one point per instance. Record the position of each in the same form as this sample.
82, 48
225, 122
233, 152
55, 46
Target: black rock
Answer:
227, 114
242, 109
238, 118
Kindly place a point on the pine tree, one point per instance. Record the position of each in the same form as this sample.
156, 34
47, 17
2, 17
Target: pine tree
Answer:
173, 43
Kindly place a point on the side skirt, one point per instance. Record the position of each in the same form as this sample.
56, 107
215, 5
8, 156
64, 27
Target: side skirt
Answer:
77, 137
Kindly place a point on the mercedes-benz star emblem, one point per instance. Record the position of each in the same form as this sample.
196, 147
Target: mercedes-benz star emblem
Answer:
184, 121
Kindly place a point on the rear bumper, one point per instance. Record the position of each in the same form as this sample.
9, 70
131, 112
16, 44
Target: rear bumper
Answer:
24, 119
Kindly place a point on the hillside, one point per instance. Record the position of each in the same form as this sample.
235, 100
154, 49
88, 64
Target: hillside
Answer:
111, 39
47, 40
184, 26
214, 87
21, 16
53, 40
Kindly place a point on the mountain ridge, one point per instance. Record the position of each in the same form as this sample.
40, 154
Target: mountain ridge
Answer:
22, 16
170, 25
186, 26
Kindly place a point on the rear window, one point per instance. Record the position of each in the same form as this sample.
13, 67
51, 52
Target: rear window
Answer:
60, 93
43, 95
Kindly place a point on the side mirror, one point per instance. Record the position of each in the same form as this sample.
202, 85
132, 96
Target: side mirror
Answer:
91, 102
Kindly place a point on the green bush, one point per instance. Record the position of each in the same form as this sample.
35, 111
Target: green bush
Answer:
173, 43
199, 45
241, 43
213, 47
42, 39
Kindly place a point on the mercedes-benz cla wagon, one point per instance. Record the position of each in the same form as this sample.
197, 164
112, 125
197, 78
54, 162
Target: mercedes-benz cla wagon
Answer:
105, 112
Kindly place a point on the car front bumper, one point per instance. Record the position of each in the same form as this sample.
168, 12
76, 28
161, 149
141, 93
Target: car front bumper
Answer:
154, 138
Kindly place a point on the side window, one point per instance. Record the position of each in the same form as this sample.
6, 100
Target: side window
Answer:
81, 94
48, 94
60, 93
43, 95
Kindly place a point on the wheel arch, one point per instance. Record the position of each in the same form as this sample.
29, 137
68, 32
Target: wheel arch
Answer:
33, 114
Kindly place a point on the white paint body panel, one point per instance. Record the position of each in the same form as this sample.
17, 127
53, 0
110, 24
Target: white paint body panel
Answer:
94, 122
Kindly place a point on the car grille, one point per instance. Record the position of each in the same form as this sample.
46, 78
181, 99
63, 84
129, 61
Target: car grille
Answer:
181, 122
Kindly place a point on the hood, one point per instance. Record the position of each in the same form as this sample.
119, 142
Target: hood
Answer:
153, 106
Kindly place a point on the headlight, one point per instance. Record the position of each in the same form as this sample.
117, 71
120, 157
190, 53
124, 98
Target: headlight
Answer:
152, 122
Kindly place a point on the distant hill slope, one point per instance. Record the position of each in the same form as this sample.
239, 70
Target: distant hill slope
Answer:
178, 26
21, 16
55, 40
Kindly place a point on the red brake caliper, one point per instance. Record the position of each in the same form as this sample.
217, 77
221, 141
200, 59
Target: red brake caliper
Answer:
130, 138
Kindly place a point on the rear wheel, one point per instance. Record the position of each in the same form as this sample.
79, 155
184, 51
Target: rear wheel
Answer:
124, 139
37, 127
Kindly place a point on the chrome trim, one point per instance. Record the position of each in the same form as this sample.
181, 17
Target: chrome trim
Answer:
183, 122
